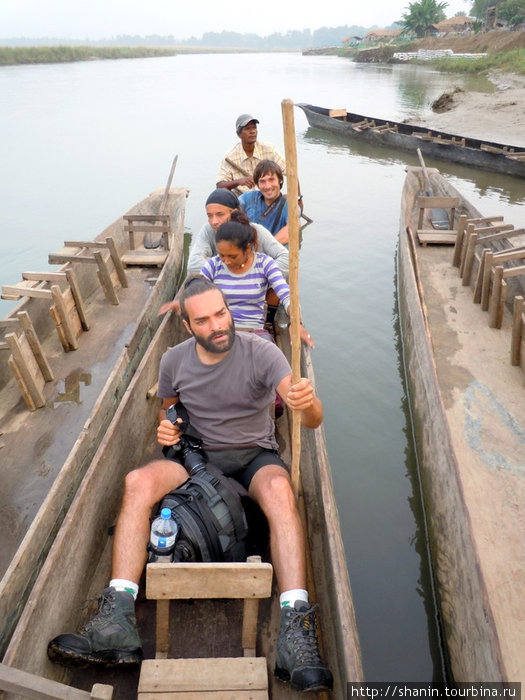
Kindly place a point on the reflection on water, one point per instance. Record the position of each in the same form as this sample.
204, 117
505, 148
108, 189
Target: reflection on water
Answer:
420, 539
69, 390
503, 188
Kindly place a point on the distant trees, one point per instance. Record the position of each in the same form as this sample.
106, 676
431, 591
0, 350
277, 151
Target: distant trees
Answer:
421, 15
511, 11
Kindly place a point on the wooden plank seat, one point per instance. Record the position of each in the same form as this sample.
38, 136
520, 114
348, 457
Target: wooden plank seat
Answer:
485, 223
67, 309
363, 124
104, 255
337, 114
383, 128
494, 281
239, 677
431, 235
503, 233
32, 686
141, 226
27, 360
493, 149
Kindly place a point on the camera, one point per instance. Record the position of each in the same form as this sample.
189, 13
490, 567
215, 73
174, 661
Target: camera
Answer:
189, 447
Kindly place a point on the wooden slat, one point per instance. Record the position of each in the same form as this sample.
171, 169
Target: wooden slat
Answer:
437, 202
470, 230
513, 271
144, 257
510, 254
60, 258
77, 296
478, 287
485, 286
207, 695
104, 277
497, 297
249, 626
133, 218
517, 331
203, 675
472, 238
462, 225
493, 149
27, 373
36, 347
484, 230
162, 628
60, 313
44, 276
17, 291
485, 219
426, 236
209, 580
32, 686
117, 262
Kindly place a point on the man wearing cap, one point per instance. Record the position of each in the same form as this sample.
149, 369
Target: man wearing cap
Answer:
219, 207
237, 166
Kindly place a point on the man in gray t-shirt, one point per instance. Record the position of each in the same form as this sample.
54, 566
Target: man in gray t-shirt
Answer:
226, 381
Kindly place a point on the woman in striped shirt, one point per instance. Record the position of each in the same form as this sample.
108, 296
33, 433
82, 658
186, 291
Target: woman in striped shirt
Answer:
245, 275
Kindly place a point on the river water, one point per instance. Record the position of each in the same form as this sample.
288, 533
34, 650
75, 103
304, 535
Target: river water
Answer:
80, 143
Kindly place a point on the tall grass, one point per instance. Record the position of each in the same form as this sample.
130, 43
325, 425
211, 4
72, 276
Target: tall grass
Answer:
10, 56
509, 62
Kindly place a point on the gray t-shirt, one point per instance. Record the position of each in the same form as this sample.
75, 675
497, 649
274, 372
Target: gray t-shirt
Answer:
228, 402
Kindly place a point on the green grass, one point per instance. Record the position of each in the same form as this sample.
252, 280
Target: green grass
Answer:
509, 62
10, 56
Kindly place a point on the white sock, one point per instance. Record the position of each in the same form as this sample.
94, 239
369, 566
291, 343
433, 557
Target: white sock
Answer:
122, 584
288, 598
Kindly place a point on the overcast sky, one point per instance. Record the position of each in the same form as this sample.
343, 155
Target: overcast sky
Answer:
96, 19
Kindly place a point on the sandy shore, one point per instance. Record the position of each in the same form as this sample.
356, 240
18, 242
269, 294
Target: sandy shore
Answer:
498, 116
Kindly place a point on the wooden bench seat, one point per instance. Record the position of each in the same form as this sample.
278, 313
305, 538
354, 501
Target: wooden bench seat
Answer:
32, 686
434, 235
67, 309
141, 228
104, 255
239, 677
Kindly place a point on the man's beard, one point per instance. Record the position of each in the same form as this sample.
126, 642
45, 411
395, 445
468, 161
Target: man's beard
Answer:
211, 345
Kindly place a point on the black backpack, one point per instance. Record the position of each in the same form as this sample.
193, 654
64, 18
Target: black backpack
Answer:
210, 510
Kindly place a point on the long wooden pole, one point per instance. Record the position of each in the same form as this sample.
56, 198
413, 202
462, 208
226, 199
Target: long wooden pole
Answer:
292, 188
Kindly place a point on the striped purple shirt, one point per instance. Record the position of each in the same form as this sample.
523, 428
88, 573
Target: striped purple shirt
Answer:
246, 292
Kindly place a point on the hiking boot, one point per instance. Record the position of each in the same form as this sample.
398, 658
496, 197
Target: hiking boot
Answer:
298, 659
109, 638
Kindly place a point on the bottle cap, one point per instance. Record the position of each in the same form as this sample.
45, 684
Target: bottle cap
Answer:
165, 513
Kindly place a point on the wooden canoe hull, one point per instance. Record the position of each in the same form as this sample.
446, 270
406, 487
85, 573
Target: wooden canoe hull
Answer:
50, 449
77, 566
486, 155
463, 394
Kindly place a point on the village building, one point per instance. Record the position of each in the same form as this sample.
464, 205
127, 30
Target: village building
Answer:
460, 24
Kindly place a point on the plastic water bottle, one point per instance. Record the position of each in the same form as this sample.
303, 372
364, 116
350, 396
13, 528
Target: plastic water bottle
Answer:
281, 317
164, 532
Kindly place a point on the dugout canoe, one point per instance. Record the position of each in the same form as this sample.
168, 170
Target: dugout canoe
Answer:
46, 451
77, 566
488, 155
463, 355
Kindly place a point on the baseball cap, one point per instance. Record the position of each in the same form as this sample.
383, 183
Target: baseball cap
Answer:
243, 120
